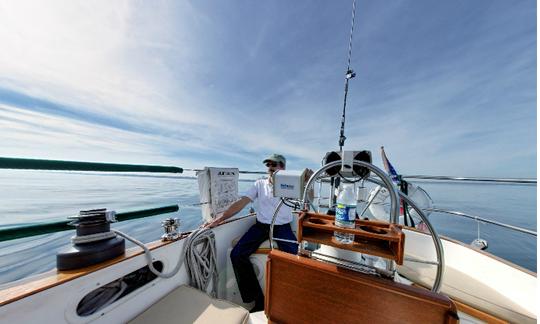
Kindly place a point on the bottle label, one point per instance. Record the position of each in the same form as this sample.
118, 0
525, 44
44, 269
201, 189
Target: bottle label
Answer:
345, 213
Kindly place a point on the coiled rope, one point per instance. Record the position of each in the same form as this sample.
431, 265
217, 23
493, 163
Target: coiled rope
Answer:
201, 260
199, 254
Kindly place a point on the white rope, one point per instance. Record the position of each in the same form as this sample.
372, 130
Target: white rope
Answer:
92, 237
201, 261
199, 253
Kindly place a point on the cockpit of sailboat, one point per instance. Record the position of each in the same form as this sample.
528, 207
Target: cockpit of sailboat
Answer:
389, 273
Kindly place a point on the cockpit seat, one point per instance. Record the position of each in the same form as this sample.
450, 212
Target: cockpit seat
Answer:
303, 290
186, 304
264, 248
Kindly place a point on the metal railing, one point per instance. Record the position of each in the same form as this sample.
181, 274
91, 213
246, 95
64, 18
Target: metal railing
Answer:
459, 179
473, 179
429, 177
524, 181
483, 220
456, 213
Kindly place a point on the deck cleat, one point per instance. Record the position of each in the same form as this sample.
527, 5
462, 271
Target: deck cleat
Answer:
170, 226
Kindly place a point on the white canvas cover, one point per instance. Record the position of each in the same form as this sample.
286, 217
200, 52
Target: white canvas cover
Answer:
218, 189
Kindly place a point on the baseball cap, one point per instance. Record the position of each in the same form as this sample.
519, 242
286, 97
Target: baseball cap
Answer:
278, 158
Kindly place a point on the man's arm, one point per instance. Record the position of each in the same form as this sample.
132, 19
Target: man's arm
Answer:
233, 209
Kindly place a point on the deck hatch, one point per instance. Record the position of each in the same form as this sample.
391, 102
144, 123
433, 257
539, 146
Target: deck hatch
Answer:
115, 290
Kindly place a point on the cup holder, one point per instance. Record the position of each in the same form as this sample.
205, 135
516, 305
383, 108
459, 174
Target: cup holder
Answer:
317, 221
374, 229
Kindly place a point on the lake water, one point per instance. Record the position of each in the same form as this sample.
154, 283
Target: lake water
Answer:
30, 197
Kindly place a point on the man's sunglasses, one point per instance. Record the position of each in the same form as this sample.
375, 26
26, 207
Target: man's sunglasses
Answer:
271, 164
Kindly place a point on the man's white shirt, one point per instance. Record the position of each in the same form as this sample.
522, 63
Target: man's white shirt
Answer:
263, 192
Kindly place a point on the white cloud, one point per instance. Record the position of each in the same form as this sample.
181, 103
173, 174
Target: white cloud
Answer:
150, 65
100, 56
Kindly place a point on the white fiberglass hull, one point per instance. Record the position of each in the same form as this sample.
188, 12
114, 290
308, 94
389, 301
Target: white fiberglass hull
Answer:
473, 277
58, 304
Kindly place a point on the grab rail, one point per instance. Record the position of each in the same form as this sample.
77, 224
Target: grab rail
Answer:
37, 164
12, 233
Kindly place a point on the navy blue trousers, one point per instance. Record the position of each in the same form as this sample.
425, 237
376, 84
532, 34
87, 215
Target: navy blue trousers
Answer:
248, 284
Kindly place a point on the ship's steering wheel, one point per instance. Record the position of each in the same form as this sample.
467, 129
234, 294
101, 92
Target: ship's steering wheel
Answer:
394, 211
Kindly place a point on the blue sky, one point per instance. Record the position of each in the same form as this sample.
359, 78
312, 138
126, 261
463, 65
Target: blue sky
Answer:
449, 88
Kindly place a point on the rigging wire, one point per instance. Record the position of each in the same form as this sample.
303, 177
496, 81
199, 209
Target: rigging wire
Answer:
348, 75
351, 35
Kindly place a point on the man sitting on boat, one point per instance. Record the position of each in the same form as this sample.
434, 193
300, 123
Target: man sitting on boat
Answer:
261, 190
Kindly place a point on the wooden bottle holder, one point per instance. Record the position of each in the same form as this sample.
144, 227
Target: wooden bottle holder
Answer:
370, 237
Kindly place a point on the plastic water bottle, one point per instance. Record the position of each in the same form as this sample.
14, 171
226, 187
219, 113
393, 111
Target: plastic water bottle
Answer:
345, 213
